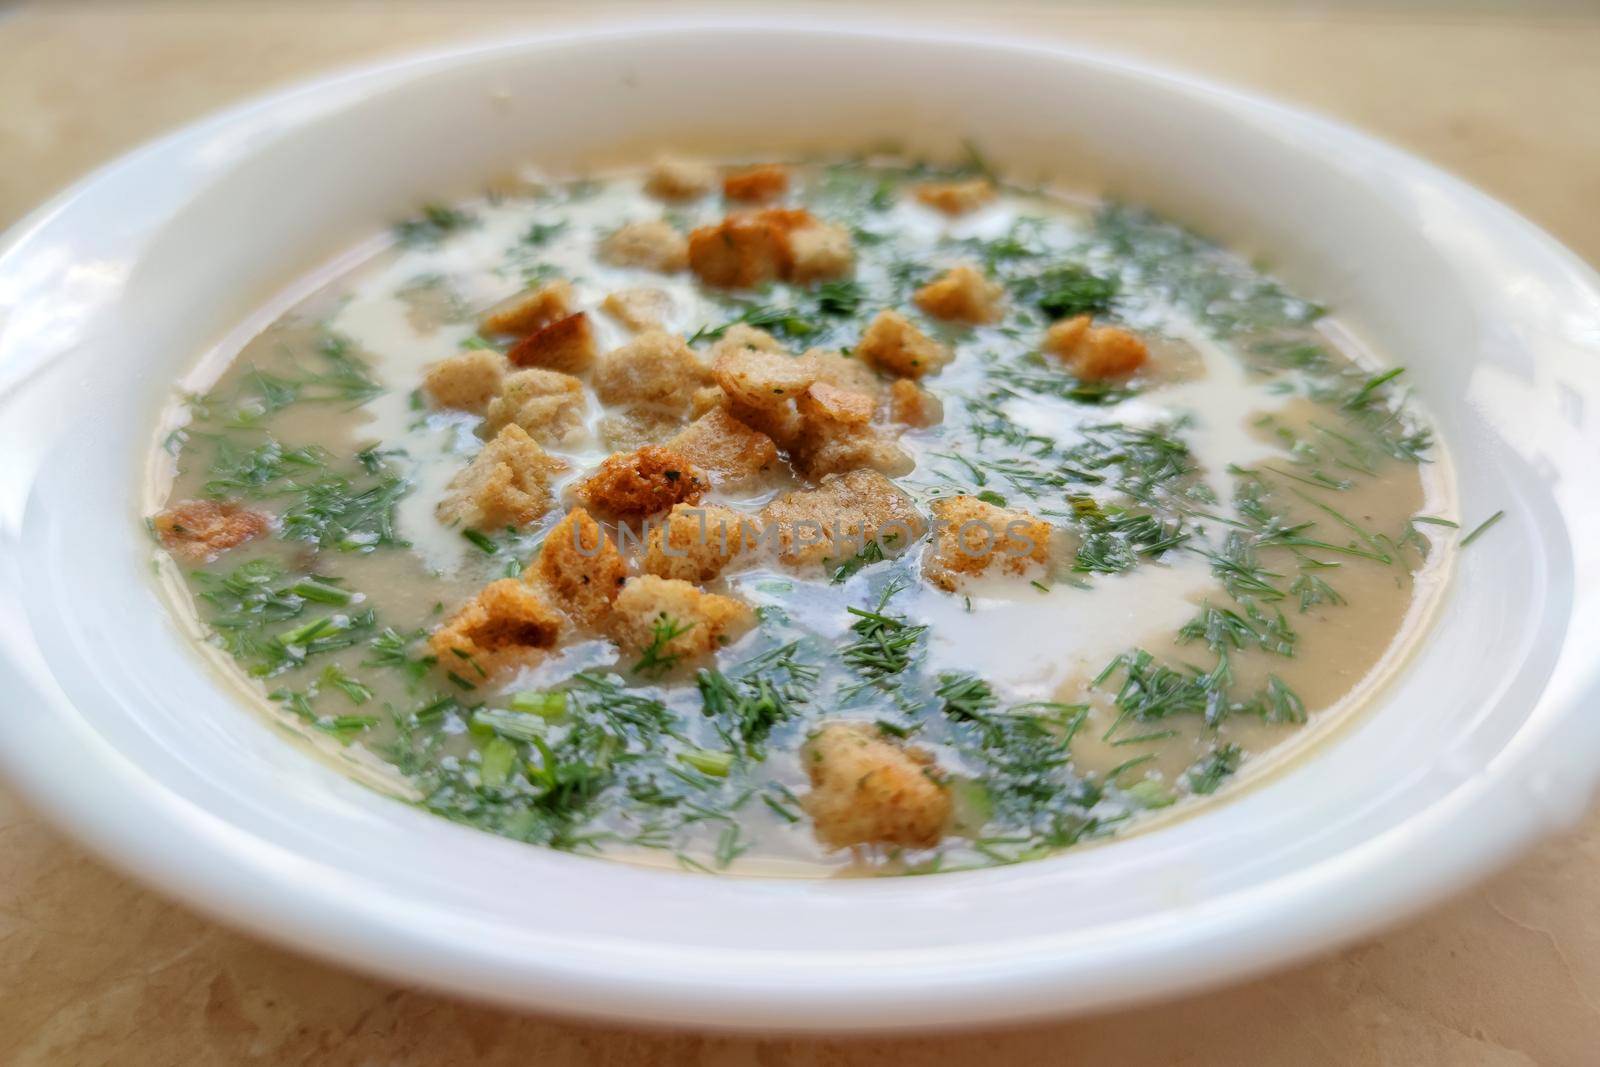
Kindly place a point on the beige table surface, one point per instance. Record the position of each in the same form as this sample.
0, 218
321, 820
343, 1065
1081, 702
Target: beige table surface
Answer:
95, 969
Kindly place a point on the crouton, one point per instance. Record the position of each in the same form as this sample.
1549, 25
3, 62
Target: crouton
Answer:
741, 252
725, 448
706, 398
198, 531
868, 790
506, 484
913, 405
639, 309
525, 312
651, 245
466, 382
844, 511
824, 403
695, 543
1109, 352
761, 388
1095, 353
845, 372
956, 198
819, 252
836, 435
893, 344
651, 479
581, 568
669, 620
764, 182
508, 624
746, 249
841, 448
679, 179
655, 369
863, 448
625, 430
566, 344
972, 538
547, 404
1064, 335
961, 294
762, 379
740, 336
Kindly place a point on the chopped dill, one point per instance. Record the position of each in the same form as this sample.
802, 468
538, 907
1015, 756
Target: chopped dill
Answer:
433, 224
1482, 528
656, 658
754, 697
1208, 774
885, 644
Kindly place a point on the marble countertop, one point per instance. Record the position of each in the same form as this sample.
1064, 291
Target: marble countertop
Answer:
95, 969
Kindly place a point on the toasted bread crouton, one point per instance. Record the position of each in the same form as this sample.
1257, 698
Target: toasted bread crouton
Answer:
654, 369
761, 388
547, 404
912, 405
651, 245
868, 790
679, 179
844, 372
625, 430
466, 381
1095, 353
651, 479
892, 343
566, 345
508, 624
581, 568
956, 198
639, 309
832, 521
850, 449
824, 404
198, 531
819, 252
767, 181
762, 379
671, 621
972, 538
725, 448
696, 542
744, 250
1064, 336
506, 484
836, 435
961, 294
707, 398
739, 336
525, 312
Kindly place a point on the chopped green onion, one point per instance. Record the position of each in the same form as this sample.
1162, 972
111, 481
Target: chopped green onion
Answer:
321, 591
546, 705
498, 757
511, 724
1151, 794
716, 764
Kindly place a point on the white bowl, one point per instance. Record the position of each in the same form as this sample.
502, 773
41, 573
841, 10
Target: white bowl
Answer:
115, 730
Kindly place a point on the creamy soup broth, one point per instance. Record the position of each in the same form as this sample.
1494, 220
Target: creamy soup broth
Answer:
1185, 520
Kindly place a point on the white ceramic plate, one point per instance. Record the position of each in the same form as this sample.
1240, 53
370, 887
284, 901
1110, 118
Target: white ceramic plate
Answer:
116, 731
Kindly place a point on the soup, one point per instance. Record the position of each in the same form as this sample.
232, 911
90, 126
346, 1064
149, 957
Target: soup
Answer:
814, 518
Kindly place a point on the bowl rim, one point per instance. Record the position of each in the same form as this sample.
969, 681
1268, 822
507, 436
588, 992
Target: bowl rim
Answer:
1258, 931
